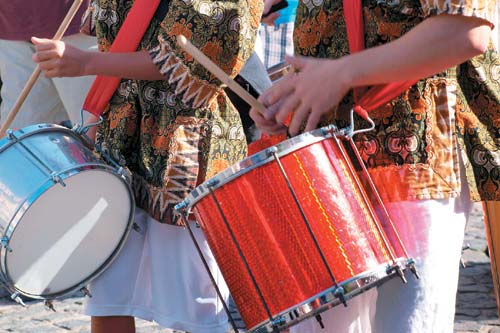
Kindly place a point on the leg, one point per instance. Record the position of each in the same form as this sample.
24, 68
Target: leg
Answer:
432, 231
113, 324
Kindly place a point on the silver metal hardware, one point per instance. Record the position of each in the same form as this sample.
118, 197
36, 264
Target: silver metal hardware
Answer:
49, 305
10, 135
271, 151
56, 178
15, 297
86, 292
5, 243
212, 182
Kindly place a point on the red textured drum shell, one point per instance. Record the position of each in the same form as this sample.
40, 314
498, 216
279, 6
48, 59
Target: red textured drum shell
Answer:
274, 239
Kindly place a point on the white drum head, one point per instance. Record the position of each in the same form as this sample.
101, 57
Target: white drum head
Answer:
68, 233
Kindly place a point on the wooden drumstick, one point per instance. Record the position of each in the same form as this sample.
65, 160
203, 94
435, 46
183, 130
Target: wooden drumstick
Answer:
219, 73
36, 73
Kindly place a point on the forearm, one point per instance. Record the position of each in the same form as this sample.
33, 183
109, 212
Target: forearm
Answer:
132, 65
434, 45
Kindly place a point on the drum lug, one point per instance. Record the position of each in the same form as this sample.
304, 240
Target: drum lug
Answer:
330, 130
125, 174
277, 322
15, 297
86, 292
5, 243
49, 305
182, 205
137, 228
398, 270
56, 178
271, 151
11, 136
412, 267
320, 321
213, 182
340, 294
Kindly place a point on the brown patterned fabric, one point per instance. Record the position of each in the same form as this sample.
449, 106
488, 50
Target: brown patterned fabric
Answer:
415, 146
175, 133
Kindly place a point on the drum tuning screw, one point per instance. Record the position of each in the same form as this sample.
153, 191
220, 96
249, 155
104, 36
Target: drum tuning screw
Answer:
5, 243
15, 297
400, 273
136, 228
10, 135
278, 322
49, 305
57, 179
320, 321
412, 267
86, 292
271, 151
340, 294
212, 182
181, 205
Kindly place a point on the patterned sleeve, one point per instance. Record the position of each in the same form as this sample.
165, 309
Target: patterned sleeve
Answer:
224, 30
484, 9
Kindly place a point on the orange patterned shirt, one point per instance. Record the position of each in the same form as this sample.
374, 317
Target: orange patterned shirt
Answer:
173, 134
421, 136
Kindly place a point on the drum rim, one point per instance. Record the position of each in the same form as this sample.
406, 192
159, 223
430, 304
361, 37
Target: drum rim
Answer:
28, 131
327, 298
254, 161
37, 193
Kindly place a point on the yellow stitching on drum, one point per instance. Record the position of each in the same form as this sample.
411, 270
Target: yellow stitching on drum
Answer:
323, 211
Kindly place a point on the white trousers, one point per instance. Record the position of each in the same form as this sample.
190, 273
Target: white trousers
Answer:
159, 276
432, 231
50, 100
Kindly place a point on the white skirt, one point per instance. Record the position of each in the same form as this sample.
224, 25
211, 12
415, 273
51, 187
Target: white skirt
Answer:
159, 276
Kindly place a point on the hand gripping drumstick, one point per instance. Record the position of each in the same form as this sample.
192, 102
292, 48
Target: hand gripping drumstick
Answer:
219, 73
36, 73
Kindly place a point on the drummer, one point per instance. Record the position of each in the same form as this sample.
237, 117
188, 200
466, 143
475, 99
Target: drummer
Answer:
434, 147
172, 125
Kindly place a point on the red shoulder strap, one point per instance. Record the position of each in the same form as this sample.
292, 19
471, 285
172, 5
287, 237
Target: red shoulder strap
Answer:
127, 40
379, 94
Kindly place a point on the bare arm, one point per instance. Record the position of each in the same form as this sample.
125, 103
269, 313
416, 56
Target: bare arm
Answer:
434, 45
58, 59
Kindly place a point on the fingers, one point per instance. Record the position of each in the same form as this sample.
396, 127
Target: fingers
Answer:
42, 56
51, 67
267, 126
299, 116
43, 44
289, 105
313, 121
278, 90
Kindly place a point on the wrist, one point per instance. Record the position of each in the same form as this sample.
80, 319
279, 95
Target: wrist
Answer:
89, 61
344, 73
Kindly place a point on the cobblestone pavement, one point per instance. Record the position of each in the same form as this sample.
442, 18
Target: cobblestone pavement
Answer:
476, 305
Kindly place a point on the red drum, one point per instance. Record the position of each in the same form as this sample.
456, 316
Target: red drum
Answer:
292, 232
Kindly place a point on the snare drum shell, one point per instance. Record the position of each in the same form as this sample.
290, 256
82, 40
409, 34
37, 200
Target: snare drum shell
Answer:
251, 219
65, 214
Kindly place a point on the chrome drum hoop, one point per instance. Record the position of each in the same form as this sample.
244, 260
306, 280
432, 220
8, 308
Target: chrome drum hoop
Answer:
17, 144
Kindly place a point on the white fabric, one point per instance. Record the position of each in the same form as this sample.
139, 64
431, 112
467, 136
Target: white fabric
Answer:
159, 276
255, 73
50, 100
432, 231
